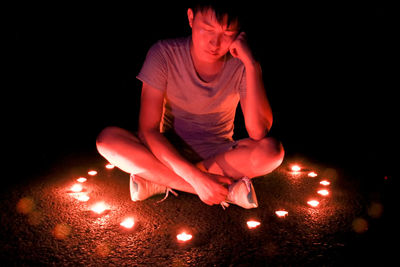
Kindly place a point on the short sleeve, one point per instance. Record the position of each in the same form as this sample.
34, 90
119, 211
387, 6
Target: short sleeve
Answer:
154, 70
242, 85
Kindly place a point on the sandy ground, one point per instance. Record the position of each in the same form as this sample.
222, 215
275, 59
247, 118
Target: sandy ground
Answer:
42, 223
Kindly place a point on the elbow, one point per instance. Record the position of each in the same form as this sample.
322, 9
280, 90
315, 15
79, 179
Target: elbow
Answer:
257, 134
260, 131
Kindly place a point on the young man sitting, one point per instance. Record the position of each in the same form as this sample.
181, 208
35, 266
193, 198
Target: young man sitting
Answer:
191, 89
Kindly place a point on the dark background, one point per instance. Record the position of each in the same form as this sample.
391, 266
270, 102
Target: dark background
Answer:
325, 66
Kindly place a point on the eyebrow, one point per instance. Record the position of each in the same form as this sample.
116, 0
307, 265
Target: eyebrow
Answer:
227, 29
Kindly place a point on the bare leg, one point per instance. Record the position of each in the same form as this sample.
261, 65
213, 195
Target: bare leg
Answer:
124, 150
249, 158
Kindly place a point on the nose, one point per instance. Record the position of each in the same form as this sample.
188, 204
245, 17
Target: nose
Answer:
215, 40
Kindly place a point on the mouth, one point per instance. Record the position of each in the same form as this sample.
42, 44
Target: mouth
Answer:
213, 52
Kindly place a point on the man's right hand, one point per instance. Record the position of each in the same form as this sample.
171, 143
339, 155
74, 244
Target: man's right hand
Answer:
210, 188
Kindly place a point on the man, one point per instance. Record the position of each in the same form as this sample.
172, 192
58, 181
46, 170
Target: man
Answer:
191, 88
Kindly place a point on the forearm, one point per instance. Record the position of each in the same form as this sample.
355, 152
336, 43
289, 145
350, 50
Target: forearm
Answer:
257, 113
168, 155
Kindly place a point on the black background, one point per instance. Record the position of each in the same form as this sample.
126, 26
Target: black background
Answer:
325, 66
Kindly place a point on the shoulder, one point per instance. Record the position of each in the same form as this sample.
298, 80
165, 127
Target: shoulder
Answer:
171, 45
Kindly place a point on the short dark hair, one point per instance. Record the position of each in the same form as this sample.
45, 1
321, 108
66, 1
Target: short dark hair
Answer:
221, 8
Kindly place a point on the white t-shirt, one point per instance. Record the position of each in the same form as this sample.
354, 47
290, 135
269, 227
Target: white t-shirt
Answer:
201, 113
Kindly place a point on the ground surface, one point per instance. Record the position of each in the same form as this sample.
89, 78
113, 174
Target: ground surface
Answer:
43, 224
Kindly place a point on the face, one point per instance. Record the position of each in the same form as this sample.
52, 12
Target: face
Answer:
210, 38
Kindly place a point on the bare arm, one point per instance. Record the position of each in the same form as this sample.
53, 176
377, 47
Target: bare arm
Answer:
209, 190
255, 105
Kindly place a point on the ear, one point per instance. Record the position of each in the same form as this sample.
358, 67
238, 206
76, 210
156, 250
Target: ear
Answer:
190, 17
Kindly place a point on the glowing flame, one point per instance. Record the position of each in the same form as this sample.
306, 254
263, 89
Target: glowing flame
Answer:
296, 168
82, 197
312, 174
81, 179
110, 166
183, 237
325, 182
313, 203
281, 213
128, 223
253, 224
92, 172
323, 192
76, 188
99, 207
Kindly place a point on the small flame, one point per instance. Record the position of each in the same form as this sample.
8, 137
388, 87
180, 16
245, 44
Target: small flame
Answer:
110, 166
312, 174
92, 172
323, 192
296, 168
183, 237
82, 197
281, 213
76, 188
253, 224
313, 203
325, 182
128, 223
81, 179
99, 207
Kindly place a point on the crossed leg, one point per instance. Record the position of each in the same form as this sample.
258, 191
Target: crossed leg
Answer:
249, 158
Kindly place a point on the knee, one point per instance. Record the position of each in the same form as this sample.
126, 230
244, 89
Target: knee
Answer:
106, 137
269, 154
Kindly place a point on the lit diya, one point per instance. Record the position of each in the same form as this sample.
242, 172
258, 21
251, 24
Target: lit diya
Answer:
253, 224
76, 188
128, 223
296, 168
312, 174
92, 172
81, 179
323, 192
99, 207
110, 166
325, 182
281, 213
184, 237
313, 203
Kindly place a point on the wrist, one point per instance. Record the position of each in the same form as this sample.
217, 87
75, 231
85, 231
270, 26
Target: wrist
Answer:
251, 64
